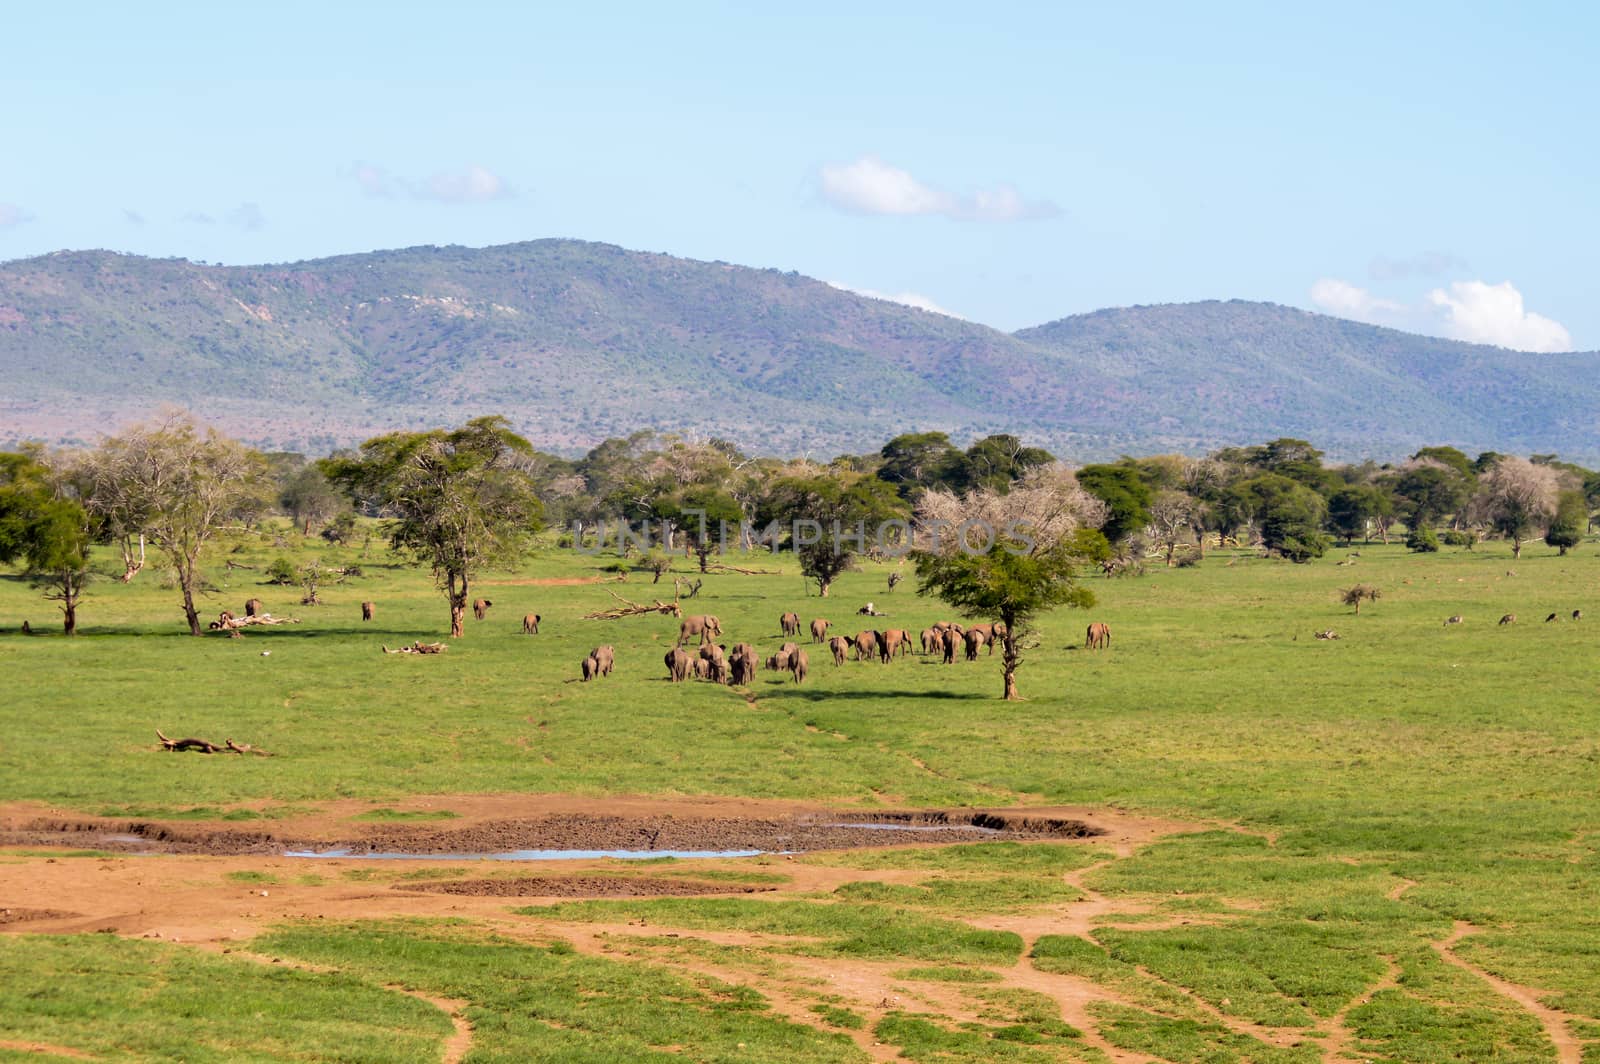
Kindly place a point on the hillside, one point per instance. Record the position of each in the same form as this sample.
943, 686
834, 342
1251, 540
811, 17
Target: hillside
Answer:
577, 341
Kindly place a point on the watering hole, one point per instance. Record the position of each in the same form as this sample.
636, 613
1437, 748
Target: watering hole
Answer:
564, 836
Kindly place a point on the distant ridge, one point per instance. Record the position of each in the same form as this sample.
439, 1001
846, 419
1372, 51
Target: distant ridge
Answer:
577, 341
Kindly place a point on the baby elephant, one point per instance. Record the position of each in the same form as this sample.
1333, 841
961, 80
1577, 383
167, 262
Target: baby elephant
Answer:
591, 668
480, 607
530, 624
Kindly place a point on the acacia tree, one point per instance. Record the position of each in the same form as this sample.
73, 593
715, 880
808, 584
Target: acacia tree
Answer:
48, 531
1519, 498
703, 513
1018, 556
1566, 530
177, 484
457, 499
833, 520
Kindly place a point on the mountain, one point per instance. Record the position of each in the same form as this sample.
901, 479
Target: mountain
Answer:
577, 341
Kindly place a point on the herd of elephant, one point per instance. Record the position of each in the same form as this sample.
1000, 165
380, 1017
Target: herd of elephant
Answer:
717, 663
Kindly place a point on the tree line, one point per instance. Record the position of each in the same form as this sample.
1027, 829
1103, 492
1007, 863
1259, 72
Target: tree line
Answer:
457, 501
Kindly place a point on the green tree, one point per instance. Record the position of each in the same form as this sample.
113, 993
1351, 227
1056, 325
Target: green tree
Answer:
834, 520
1572, 517
916, 461
1429, 492
704, 514
309, 499
1519, 499
1126, 495
1010, 584
999, 461
1423, 540
456, 500
48, 532
1352, 510
1290, 516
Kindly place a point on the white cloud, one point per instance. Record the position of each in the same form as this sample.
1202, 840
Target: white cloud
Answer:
1494, 314
871, 186
910, 299
1351, 301
471, 184
11, 214
1473, 311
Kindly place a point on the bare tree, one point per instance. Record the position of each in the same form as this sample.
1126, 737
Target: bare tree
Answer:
1518, 499
1170, 513
178, 484
1356, 595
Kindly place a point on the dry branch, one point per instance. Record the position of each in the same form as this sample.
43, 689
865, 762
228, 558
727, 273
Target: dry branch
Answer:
718, 567
205, 747
418, 647
233, 624
634, 609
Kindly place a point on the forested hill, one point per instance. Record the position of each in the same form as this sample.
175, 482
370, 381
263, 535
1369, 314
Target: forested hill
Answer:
577, 341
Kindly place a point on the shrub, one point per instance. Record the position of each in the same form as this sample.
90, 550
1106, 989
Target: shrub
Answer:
1422, 540
1454, 538
282, 571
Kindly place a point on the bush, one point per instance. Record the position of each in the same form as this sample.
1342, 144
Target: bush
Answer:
1422, 540
1453, 538
282, 571
1187, 560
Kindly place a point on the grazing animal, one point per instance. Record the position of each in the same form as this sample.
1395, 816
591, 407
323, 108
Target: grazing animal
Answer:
1550, 618
1453, 620
798, 666
976, 637
892, 641
254, 607
932, 641
987, 631
776, 662
703, 669
1098, 636
1577, 615
591, 668
369, 610
603, 656
819, 630
840, 647
703, 625
1328, 634
530, 624
1511, 618
1000, 631
678, 664
27, 629
950, 640
894, 578
866, 645
790, 623
480, 608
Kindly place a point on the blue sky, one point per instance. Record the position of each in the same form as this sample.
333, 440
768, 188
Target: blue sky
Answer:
1424, 165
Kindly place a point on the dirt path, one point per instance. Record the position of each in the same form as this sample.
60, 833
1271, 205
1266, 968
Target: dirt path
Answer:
1336, 1048
1568, 1049
45, 1049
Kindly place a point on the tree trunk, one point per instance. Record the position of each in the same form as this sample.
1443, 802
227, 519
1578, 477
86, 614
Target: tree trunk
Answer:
458, 606
1010, 660
1516, 548
189, 612
822, 587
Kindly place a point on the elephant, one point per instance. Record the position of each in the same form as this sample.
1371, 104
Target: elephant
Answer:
866, 644
703, 625
977, 637
604, 656
840, 647
254, 608
224, 617
819, 630
992, 633
530, 624
799, 666
950, 640
742, 664
703, 669
591, 668
1098, 636
932, 641
678, 664
480, 607
790, 623
369, 610
891, 641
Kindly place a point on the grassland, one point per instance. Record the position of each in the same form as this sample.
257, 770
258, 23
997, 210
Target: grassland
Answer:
1392, 829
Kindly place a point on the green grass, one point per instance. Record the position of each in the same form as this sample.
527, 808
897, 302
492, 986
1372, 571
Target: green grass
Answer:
404, 815
130, 1000
1461, 758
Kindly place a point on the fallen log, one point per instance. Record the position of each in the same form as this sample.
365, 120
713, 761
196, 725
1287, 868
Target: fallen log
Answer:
229, 624
718, 567
206, 747
634, 609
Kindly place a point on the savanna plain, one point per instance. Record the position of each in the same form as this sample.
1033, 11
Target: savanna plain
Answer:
1380, 847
